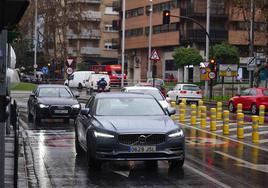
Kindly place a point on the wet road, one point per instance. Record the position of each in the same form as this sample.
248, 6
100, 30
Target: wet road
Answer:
211, 161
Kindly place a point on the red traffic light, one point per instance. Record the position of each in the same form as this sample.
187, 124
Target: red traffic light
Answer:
212, 61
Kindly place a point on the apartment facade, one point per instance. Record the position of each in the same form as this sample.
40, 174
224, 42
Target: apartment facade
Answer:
227, 24
91, 36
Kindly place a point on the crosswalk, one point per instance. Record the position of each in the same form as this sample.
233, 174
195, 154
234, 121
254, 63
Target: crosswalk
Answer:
263, 130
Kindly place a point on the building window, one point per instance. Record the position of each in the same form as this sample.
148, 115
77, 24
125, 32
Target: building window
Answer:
244, 26
135, 12
109, 28
109, 10
164, 6
134, 32
170, 65
110, 46
163, 28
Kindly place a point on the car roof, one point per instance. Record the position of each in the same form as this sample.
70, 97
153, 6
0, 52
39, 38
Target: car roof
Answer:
122, 95
141, 88
51, 85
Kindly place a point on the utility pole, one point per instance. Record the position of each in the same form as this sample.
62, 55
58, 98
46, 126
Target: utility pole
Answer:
251, 37
150, 39
123, 42
35, 38
207, 43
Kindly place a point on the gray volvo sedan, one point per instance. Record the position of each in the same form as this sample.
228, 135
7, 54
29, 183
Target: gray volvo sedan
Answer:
128, 126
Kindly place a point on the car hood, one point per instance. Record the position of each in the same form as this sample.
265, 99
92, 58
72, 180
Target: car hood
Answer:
137, 124
57, 101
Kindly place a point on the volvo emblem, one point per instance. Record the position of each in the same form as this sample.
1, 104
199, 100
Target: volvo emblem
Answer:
142, 139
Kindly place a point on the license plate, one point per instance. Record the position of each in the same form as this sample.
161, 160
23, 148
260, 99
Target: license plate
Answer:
61, 111
142, 149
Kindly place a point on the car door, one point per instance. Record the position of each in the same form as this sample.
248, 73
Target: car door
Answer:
250, 99
242, 98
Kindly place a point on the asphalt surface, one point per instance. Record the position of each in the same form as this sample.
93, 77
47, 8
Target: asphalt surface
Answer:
211, 160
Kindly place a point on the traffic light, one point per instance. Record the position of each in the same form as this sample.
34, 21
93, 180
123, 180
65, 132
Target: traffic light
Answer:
212, 65
166, 17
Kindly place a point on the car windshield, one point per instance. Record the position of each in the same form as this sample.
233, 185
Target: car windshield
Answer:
156, 81
265, 92
54, 92
155, 93
190, 87
128, 107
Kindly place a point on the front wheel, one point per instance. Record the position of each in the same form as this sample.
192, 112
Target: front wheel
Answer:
176, 163
30, 116
36, 119
91, 160
254, 109
78, 148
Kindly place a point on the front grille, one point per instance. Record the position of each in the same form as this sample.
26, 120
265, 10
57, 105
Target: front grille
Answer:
53, 109
141, 139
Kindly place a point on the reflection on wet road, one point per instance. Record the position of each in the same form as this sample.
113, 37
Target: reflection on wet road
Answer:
211, 161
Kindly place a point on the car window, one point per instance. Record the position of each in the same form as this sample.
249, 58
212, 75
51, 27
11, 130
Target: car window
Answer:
90, 102
71, 77
245, 92
54, 92
253, 92
65, 93
128, 107
177, 87
155, 93
190, 88
265, 92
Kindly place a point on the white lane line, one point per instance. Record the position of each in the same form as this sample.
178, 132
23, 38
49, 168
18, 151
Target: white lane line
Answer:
206, 176
249, 134
263, 141
232, 157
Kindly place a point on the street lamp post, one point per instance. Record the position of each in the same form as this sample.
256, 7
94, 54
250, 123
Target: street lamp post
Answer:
150, 39
123, 42
35, 39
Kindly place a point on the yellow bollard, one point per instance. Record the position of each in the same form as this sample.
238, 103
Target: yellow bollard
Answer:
240, 126
219, 110
173, 117
200, 103
173, 104
182, 112
255, 131
261, 114
226, 120
203, 121
213, 122
193, 114
183, 101
239, 108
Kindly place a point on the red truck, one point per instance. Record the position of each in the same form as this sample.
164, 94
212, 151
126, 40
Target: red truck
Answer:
114, 72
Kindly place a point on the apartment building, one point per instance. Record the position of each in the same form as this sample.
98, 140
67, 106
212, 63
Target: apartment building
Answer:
91, 36
227, 23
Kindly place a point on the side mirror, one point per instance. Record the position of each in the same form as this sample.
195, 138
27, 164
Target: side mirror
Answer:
76, 95
168, 99
32, 95
85, 111
171, 111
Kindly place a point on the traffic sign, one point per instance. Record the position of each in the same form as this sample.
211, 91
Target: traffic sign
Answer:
155, 56
211, 75
70, 61
35, 66
44, 70
69, 70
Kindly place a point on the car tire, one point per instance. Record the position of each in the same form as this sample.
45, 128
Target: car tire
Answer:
231, 107
30, 116
91, 160
79, 150
254, 109
176, 163
80, 86
36, 120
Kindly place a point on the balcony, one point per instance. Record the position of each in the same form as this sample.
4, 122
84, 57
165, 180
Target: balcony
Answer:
84, 34
199, 9
90, 51
85, 1
198, 35
87, 16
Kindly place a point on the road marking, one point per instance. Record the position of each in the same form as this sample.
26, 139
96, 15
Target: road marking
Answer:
249, 134
233, 129
246, 164
206, 176
263, 141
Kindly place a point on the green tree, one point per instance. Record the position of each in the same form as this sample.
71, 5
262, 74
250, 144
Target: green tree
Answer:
81, 66
185, 57
226, 53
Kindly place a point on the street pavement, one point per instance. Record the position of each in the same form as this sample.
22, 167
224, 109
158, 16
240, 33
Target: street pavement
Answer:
212, 160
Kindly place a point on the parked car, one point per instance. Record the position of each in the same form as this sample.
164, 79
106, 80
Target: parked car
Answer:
251, 99
128, 126
92, 82
78, 79
52, 101
151, 91
190, 92
159, 84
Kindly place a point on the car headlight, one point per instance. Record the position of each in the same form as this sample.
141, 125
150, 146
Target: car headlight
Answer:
102, 135
76, 106
178, 133
43, 106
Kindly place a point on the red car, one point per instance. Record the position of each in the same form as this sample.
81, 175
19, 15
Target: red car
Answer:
251, 99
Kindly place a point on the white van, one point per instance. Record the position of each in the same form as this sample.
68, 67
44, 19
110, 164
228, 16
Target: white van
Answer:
92, 82
78, 79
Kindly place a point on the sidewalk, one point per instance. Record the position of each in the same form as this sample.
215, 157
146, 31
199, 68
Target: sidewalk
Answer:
9, 162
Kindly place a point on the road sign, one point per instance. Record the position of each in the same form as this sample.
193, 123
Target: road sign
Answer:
155, 56
35, 66
44, 70
69, 62
69, 70
211, 75
204, 74
228, 70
